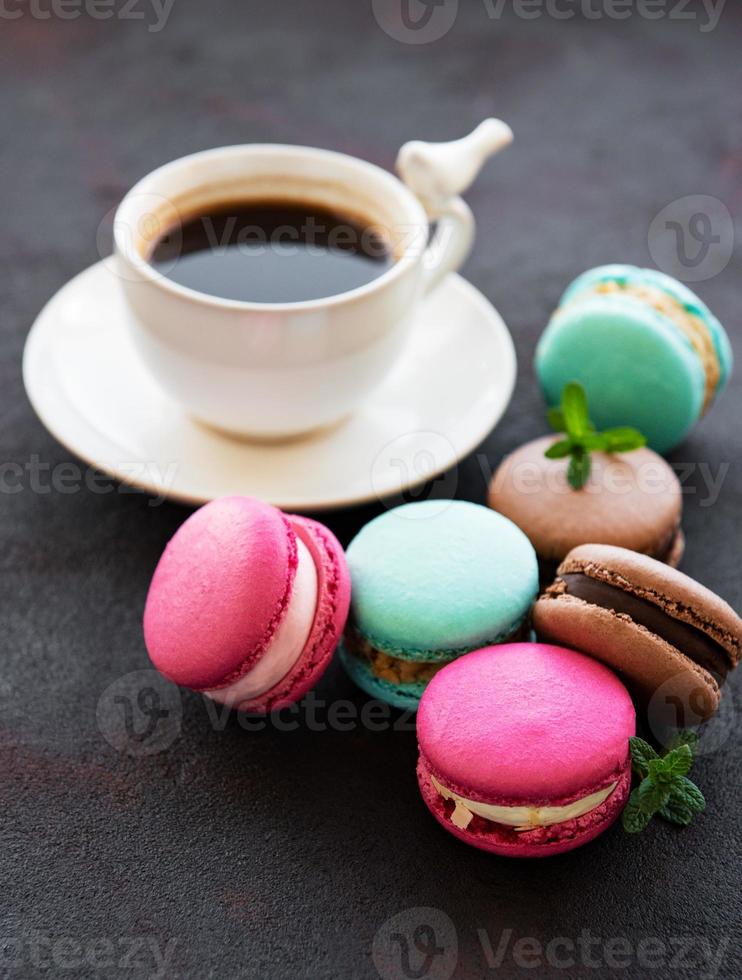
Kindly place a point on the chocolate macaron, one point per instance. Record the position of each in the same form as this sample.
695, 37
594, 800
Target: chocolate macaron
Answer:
672, 640
631, 500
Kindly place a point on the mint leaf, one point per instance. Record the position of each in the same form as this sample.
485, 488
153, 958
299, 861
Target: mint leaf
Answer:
659, 774
668, 770
573, 418
685, 737
652, 796
686, 800
633, 818
579, 469
623, 440
574, 409
676, 811
593, 441
677, 762
559, 450
555, 418
642, 754
687, 791
665, 788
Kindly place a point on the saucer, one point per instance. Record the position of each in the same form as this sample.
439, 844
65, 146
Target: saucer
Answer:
447, 391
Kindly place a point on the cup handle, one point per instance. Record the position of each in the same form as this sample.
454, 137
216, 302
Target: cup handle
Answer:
437, 173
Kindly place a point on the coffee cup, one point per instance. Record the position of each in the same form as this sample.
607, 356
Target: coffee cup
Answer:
273, 370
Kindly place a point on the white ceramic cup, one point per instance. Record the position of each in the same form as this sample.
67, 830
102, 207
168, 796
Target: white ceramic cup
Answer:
274, 370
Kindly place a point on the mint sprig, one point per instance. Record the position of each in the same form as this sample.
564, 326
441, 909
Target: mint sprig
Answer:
573, 418
665, 789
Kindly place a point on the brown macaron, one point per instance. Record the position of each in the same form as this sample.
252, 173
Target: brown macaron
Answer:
632, 500
671, 640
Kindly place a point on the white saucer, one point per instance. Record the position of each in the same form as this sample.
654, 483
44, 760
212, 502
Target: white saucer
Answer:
450, 387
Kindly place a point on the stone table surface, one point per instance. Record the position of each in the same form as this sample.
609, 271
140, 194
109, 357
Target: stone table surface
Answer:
301, 848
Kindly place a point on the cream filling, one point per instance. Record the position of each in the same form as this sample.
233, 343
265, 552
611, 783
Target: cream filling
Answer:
692, 326
288, 643
520, 817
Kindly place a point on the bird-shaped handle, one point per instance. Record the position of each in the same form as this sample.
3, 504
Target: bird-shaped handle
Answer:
437, 173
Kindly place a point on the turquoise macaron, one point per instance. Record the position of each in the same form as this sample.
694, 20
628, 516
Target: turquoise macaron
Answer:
647, 350
432, 581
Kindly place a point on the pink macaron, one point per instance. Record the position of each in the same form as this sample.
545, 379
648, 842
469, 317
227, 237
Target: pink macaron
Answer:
247, 604
524, 748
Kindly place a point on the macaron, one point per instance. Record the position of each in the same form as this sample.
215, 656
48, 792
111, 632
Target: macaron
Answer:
247, 604
524, 749
647, 350
633, 500
671, 640
432, 581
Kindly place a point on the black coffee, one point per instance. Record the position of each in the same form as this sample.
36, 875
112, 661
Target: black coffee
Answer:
272, 252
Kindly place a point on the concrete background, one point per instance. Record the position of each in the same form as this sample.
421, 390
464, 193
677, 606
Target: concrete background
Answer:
234, 853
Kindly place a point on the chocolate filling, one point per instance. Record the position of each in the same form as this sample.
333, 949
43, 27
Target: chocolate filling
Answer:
549, 567
694, 643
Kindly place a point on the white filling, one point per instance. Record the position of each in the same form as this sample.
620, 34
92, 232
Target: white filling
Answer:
288, 642
520, 817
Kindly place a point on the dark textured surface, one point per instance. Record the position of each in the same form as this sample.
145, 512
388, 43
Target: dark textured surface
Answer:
281, 854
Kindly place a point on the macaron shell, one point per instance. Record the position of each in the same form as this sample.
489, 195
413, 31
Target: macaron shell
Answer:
403, 696
632, 499
633, 275
525, 724
333, 591
659, 674
219, 592
434, 579
677, 550
644, 661
676, 593
541, 842
636, 367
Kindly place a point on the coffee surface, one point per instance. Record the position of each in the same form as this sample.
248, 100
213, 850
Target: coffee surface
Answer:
272, 251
